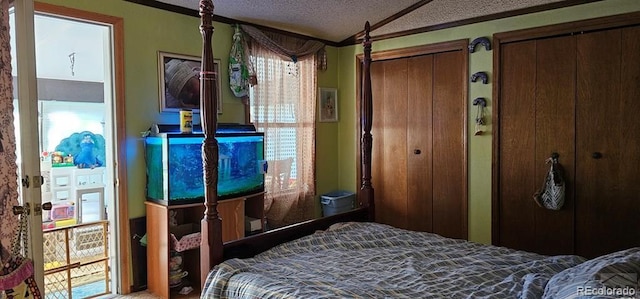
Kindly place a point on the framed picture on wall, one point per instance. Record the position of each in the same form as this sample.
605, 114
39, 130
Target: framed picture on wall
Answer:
179, 82
328, 104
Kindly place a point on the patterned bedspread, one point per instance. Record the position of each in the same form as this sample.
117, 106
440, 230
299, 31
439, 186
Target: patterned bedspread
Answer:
370, 260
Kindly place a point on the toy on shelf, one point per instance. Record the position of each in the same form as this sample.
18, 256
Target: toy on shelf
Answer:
61, 214
62, 211
82, 149
87, 158
61, 159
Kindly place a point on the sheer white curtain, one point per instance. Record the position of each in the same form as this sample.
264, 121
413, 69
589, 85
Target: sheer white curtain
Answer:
283, 107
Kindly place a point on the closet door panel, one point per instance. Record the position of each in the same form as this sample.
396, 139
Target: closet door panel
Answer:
390, 116
607, 210
555, 132
419, 143
517, 146
629, 143
449, 156
377, 130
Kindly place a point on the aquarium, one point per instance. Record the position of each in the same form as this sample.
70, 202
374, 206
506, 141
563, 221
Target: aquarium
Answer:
174, 166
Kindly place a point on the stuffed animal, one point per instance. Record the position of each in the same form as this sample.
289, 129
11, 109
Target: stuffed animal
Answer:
82, 149
87, 158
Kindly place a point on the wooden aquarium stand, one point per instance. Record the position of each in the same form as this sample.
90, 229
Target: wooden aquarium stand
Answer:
188, 216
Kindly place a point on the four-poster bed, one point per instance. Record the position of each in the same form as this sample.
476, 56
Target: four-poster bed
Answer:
212, 250
346, 256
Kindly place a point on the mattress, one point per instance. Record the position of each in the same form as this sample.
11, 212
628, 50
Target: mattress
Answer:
372, 260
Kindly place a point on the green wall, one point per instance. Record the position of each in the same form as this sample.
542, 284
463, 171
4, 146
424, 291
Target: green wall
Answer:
479, 156
148, 30
327, 133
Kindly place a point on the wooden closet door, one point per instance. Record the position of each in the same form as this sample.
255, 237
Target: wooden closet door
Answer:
419, 144
449, 178
536, 119
555, 133
419, 150
608, 141
389, 170
516, 178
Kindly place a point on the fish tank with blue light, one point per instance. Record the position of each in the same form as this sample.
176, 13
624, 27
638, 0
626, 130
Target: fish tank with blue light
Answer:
174, 164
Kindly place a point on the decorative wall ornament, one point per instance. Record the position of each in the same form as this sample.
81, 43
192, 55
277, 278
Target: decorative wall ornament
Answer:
72, 61
480, 40
481, 75
480, 102
328, 104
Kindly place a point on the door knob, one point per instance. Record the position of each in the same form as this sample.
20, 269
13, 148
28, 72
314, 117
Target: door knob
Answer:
38, 208
417, 151
596, 155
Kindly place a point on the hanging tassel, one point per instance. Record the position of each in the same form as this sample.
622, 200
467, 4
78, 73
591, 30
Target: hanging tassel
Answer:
480, 103
478, 130
322, 59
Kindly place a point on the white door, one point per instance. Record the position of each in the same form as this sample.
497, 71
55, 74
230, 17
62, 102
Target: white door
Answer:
25, 114
65, 135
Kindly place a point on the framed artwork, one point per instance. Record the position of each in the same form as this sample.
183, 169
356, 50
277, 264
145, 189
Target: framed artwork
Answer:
179, 82
328, 104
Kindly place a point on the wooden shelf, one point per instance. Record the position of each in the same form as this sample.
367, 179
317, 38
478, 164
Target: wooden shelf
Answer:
232, 211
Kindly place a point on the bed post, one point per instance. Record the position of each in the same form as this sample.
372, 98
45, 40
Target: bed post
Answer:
211, 225
366, 118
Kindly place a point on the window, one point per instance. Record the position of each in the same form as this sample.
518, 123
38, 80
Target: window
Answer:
283, 107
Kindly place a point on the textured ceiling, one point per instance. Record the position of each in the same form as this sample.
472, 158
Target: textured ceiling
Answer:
439, 12
338, 20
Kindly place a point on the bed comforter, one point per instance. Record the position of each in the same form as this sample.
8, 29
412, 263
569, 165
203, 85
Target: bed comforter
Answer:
371, 260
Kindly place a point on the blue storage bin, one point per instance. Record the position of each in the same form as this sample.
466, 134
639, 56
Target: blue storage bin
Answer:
336, 202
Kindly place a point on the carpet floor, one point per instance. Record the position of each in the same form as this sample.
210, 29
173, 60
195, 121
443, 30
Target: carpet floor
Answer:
89, 290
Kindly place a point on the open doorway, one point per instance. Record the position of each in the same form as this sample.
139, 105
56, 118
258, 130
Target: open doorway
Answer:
77, 109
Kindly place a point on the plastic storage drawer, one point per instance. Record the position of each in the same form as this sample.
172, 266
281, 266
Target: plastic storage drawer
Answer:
337, 202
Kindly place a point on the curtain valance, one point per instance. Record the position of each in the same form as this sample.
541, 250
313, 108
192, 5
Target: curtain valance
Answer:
286, 46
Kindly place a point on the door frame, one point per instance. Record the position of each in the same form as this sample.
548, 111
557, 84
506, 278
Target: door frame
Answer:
31, 165
435, 48
120, 173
